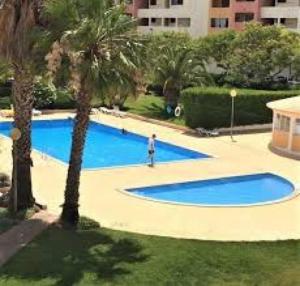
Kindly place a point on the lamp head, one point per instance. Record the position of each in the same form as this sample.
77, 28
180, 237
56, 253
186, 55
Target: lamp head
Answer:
233, 93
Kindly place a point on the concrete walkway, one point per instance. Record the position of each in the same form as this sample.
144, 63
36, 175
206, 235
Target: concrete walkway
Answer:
20, 235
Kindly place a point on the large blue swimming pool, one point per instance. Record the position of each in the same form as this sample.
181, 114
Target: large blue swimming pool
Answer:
240, 190
105, 146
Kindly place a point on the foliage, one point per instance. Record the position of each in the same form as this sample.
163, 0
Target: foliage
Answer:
64, 100
44, 95
175, 64
296, 64
255, 56
211, 107
218, 47
5, 71
83, 33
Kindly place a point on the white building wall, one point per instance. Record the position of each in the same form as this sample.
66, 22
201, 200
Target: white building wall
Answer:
290, 10
195, 10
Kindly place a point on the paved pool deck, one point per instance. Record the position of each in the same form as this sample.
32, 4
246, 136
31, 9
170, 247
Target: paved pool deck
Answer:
103, 200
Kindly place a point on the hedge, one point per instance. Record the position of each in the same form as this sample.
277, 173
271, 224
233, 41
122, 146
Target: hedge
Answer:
211, 107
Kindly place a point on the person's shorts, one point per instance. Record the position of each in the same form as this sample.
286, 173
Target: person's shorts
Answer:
151, 152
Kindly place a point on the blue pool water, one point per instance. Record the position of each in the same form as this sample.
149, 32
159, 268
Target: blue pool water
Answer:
241, 190
105, 146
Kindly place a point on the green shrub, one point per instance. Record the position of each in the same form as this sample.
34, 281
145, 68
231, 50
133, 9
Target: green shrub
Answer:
211, 107
5, 102
63, 100
5, 91
44, 96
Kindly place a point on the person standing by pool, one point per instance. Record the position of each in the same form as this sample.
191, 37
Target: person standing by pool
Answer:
151, 150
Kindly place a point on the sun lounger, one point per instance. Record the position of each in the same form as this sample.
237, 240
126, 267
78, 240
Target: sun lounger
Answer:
117, 112
121, 114
94, 111
36, 112
208, 133
106, 110
7, 113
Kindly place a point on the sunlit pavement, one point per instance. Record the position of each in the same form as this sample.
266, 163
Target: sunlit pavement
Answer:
103, 200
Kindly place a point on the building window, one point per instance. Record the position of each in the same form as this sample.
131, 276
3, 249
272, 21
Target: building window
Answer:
219, 23
220, 3
297, 127
244, 17
170, 22
176, 2
144, 22
282, 123
156, 21
184, 22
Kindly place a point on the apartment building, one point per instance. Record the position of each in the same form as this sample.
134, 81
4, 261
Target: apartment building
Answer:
233, 14
189, 16
200, 17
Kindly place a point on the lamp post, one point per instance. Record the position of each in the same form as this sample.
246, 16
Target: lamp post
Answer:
233, 94
15, 135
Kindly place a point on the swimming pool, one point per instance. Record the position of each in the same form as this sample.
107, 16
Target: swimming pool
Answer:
229, 191
105, 146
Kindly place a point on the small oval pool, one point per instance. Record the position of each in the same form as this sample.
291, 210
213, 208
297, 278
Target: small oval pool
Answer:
229, 191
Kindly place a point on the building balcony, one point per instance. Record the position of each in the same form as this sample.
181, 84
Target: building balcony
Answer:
154, 28
280, 12
162, 13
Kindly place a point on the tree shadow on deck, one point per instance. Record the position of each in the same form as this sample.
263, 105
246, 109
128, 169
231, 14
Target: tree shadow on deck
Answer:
65, 257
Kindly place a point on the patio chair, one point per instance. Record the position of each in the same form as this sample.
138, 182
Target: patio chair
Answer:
207, 133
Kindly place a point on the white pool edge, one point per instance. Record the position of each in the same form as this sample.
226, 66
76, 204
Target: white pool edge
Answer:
293, 195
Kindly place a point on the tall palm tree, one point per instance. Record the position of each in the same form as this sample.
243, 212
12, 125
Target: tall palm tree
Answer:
92, 34
175, 68
17, 19
119, 81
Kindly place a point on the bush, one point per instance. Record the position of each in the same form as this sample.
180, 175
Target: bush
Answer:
156, 89
5, 102
211, 107
5, 91
44, 96
63, 100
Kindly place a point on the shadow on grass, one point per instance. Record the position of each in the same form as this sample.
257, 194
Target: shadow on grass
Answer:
8, 220
65, 257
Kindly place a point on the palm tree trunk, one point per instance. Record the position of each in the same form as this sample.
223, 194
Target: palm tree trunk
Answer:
171, 97
70, 214
23, 103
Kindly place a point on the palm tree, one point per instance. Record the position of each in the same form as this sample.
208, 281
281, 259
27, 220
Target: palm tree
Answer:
92, 34
17, 18
176, 68
119, 81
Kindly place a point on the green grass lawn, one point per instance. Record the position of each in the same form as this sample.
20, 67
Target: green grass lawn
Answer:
151, 106
7, 220
104, 257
